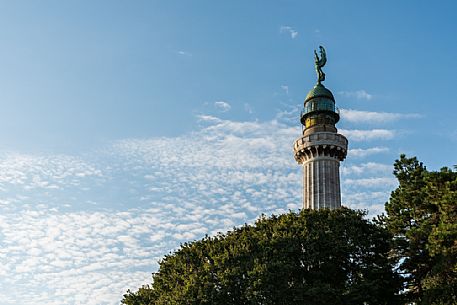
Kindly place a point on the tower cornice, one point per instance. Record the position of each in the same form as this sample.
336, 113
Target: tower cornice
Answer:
320, 144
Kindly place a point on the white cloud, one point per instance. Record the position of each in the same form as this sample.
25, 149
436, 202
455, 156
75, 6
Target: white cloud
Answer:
73, 255
358, 116
222, 106
358, 94
364, 198
364, 168
371, 201
184, 53
289, 115
361, 152
208, 118
371, 182
289, 30
285, 88
22, 169
367, 135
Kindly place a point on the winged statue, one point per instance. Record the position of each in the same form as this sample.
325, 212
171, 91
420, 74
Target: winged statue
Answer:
319, 63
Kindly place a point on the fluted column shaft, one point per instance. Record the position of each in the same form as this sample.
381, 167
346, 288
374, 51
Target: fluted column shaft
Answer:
321, 188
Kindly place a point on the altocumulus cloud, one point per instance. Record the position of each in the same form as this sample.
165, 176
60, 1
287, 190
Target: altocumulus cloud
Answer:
83, 229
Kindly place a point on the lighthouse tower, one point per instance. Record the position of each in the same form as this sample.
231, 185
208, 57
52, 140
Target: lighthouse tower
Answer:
321, 148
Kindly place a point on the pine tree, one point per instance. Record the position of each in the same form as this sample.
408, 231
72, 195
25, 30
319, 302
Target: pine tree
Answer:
421, 215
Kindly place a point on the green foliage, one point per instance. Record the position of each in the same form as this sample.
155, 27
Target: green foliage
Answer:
315, 257
422, 216
144, 295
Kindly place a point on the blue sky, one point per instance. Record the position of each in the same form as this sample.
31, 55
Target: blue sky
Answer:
127, 128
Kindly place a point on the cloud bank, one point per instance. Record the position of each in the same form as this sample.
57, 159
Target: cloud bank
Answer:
83, 229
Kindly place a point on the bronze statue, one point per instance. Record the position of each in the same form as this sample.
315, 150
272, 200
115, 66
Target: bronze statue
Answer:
319, 63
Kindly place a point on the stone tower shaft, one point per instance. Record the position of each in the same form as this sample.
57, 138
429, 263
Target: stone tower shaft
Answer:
320, 154
320, 149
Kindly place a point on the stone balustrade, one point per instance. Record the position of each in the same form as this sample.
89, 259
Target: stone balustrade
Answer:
320, 144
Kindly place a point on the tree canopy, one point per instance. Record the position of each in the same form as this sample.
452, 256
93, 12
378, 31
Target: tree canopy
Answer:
422, 216
314, 257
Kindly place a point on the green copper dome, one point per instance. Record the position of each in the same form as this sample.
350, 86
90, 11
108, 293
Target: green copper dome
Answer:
319, 91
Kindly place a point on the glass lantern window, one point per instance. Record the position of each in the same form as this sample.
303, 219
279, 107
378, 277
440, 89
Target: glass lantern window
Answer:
320, 104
